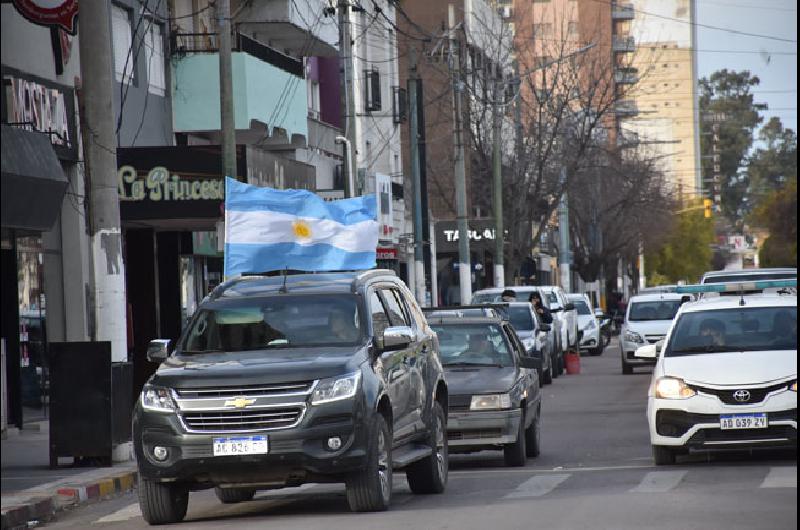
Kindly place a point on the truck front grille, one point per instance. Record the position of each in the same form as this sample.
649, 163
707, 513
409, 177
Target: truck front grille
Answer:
302, 387
243, 420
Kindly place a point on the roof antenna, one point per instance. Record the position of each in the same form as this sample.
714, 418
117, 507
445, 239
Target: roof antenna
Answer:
283, 288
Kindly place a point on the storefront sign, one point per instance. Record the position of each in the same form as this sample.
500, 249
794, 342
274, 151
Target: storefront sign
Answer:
52, 13
160, 185
41, 106
386, 253
474, 235
481, 235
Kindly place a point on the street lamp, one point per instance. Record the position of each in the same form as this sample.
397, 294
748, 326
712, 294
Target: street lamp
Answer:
351, 185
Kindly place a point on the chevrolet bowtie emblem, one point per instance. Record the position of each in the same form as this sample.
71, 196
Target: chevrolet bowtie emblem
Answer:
239, 402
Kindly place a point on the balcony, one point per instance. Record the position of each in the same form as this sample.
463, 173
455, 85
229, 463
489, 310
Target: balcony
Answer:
299, 29
622, 11
260, 75
626, 108
626, 76
623, 44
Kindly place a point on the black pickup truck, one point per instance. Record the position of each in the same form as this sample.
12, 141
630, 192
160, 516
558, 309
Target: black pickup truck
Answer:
280, 381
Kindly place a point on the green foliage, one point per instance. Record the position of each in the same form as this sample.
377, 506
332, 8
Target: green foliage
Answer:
686, 254
777, 212
728, 92
771, 167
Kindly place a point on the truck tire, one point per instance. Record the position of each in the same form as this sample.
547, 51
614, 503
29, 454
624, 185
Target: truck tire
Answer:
429, 475
162, 503
514, 453
533, 435
370, 489
234, 495
547, 376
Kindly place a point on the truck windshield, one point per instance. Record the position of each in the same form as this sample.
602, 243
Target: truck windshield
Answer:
275, 322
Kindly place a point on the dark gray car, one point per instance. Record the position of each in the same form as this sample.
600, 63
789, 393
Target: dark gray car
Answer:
279, 381
495, 397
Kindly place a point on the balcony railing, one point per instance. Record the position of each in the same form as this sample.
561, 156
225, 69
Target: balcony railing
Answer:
622, 12
623, 44
626, 108
626, 76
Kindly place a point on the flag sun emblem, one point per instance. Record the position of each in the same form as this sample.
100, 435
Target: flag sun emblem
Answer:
301, 229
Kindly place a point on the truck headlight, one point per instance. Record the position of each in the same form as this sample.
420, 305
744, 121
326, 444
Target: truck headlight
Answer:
793, 386
632, 336
158, 399
335, 388
673, 388
490, 402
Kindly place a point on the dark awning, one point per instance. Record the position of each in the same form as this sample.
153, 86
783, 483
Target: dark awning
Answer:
33, 182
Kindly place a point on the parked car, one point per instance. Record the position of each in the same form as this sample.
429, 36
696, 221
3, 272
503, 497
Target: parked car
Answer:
279, 381
536, 336
749, 275
647, 320
567, 313
588, 323
553, 302
725, 377
495, 398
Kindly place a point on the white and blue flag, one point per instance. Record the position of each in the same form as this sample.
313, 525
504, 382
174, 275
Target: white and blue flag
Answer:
268, 230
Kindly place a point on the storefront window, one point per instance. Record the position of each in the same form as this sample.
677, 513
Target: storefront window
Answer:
32, 333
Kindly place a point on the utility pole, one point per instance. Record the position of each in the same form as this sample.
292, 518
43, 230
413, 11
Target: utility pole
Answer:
226, 89
413, 126
464, 261
108, 269
564, 253
497, 185
348, 88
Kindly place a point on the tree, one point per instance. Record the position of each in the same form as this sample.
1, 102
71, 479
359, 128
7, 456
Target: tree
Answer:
778, 213
772, 166
686, 254
727, 94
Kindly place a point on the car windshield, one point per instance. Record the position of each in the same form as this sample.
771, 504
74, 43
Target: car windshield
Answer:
473, 345
655, 310
521, 318
582, 307
739, 329
275, 322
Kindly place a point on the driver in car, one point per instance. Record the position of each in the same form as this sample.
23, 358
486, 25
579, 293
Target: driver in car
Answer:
342, 327
713, 332
480, 349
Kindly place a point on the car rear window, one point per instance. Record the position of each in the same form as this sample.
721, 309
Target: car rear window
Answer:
582, 307
655, 310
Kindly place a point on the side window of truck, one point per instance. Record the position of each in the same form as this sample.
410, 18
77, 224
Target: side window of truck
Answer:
378, 314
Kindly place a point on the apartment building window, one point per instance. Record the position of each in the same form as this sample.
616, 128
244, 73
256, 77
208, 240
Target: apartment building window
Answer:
121, 40
572, 28
372, 93
543, 29
541, 1
155, 59
313, 99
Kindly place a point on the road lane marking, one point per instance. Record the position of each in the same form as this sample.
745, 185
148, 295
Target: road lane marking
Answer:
659, 481
125, 514
465, 472
537, 486
780, 477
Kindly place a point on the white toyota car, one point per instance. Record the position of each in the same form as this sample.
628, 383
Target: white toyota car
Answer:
725, 377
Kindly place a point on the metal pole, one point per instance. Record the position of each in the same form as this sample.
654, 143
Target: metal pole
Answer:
413, 126
497, 194
101, 166
564, 254
350, 107
434, 277
226, 89
464, 266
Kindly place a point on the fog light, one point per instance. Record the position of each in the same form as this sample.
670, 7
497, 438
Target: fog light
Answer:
334, 443
160, 453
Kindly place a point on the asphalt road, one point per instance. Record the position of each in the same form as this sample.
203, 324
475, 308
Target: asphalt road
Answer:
595, 471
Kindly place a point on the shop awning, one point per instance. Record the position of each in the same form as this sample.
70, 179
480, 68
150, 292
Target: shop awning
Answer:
33, 182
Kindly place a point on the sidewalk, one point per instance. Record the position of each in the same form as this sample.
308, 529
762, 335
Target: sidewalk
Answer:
32, 492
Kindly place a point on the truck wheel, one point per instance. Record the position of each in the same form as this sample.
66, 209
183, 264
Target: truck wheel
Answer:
663, 456
429, 475
162, 503
555, 366
370, 490
533, 435
514, 454
234, 495
547, 376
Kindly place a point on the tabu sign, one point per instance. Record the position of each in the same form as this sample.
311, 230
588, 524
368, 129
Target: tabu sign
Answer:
159, 185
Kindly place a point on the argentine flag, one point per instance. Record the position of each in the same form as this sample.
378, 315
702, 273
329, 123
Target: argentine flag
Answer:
268, 230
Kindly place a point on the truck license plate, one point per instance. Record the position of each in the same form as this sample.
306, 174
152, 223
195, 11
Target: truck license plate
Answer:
743, 421
241, 445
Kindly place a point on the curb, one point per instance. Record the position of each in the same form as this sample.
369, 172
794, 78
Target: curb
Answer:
43, 506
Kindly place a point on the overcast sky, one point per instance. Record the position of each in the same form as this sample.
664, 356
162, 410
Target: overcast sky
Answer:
778, 72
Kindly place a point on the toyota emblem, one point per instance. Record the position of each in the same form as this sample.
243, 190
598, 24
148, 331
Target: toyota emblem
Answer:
742, 396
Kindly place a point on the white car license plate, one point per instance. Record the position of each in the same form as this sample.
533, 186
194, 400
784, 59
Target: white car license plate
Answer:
241, 445
743, 421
